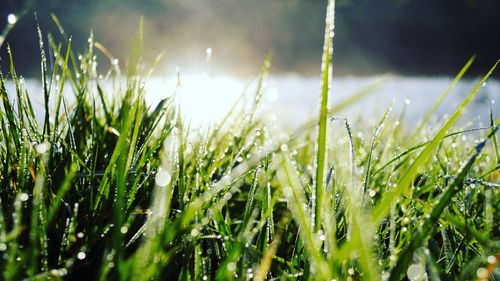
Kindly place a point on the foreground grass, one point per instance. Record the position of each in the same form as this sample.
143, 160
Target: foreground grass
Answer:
107, 188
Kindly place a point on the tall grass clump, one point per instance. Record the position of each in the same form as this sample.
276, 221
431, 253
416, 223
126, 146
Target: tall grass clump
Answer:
104, 186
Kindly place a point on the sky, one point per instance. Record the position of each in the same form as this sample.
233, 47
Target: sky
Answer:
408, 37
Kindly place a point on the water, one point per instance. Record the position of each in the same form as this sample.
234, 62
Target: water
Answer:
293, 100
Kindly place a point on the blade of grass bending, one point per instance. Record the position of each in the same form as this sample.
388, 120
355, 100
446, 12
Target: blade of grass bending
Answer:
372, 146
495, 142
418, 146
326, 69
46, 94
65, 186
445, 94
385, 203
297, 201
265, 263
436, 212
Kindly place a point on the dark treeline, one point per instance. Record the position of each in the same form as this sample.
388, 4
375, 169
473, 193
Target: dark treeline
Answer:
410, 37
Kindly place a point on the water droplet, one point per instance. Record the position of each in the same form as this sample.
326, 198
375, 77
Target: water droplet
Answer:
195, 232
162, 178
231, 266
228, 196
484, 84
3, 247
204, 277
416, 272
284, 147
372, 193
80, 235
482, 273
81, 255
492, 259
123, 229
23, 197
11, 19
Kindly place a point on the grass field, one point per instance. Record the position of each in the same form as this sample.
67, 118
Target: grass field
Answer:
107, 188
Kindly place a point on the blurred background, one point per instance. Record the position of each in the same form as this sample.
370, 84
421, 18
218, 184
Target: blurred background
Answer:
408, 37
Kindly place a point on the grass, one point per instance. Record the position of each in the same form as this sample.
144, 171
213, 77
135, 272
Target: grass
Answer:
105, 187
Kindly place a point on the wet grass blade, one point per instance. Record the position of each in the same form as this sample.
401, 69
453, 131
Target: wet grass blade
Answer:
403, 183
429, 224
326, 74
444, 95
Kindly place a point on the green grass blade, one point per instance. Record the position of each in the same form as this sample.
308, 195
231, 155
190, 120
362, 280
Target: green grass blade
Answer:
326, 74
444, 95
383, 206
429, 224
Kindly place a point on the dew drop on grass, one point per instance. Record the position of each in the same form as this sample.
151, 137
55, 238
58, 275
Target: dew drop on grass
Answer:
11, 19
231, 266
372, 193
81, 255
492, 259
204, 277
482, 273
227, 196
80, 235
123, 229
284, 147
162, 178
416, 272
3, 247
23, 197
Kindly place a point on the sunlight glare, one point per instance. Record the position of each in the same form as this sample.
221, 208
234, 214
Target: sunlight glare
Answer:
203, 100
